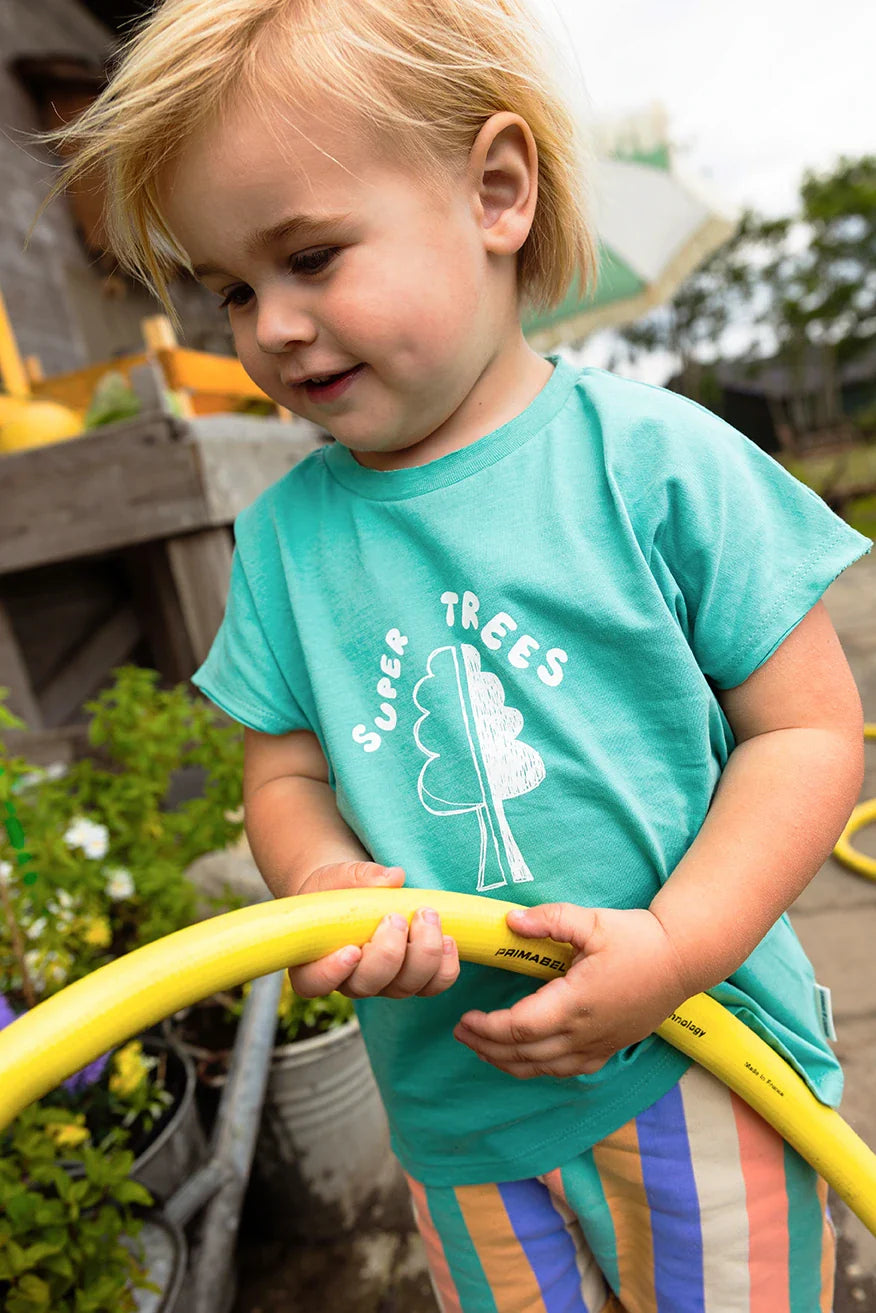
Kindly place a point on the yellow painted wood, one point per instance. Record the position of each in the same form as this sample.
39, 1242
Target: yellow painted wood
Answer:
14, 375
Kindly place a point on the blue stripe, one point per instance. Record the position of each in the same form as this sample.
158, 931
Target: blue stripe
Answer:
671, 1191
546, 1243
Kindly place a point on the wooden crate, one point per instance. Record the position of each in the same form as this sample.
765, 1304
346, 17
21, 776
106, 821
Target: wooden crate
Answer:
116, 546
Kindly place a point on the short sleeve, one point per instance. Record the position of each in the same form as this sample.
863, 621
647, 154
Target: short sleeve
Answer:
749, 547
245, 673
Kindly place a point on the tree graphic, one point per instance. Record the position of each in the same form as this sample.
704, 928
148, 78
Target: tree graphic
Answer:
475, 761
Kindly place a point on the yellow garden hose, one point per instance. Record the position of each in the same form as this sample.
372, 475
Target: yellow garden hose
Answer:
863, 814
76, 1025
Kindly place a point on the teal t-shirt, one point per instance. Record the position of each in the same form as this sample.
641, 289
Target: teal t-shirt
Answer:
509, 657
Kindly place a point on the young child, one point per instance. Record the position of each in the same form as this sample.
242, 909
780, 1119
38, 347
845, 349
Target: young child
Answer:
525, 630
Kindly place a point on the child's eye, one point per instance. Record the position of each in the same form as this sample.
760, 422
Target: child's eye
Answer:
231, 296
312, 262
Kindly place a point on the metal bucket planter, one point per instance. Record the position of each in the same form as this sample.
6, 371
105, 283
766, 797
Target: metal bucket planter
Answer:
165, 1257
322, 1153
162, 1166
180, 1147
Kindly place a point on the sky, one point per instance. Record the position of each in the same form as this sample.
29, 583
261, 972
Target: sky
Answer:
756, 92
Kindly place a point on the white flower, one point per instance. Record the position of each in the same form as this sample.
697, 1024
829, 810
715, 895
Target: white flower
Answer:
5, 872
36, 928
56, 770
65, 899
56, 973
61, 914
121, 884
33, 958
91, 838
27, 781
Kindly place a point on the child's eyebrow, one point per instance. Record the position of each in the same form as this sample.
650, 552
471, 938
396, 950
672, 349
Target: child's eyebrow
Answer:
301, 226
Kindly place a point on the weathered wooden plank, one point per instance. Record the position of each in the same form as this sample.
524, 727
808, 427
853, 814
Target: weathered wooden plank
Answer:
21, 700
239, 460
43, 747
124, 483
156, 601
201, 568
54, 608
87, 668
151, 477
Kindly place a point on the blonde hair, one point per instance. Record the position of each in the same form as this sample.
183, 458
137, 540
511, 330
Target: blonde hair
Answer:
423, 75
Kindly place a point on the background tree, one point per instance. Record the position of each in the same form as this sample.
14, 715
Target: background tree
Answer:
809, 280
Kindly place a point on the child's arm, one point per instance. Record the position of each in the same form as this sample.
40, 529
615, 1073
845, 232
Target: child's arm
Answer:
781, 803
301, 844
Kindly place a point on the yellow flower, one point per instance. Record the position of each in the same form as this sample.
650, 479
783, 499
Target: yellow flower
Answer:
129, 1069
98, 932
67, 1133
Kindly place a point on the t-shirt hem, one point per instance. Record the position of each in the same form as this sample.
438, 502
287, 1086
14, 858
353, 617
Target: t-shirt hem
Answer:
449, 1169
251, 719
801, 601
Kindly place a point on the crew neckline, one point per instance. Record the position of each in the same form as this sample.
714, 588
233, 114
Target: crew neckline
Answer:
393, 485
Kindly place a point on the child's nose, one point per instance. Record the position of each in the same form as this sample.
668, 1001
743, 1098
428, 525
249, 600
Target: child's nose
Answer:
282, 321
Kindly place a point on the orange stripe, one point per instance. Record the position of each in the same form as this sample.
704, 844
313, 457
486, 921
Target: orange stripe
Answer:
762, 1155
509, 1273
619, 1164
554, 1182
828, 1251
435, 1257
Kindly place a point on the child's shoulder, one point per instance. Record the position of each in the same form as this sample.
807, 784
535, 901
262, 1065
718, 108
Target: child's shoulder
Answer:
649, 433
628, 404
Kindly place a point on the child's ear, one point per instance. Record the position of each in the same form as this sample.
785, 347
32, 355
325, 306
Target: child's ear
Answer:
504, 174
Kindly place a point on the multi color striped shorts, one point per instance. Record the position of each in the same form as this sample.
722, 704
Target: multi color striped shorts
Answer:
695, 1206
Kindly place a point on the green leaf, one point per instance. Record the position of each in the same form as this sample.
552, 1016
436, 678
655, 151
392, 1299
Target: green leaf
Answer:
37, 1253
34, 1290
132, 1192
60, 1263
14, 1255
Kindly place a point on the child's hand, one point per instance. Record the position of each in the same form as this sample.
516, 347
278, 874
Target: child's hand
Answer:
625, 979
397, 962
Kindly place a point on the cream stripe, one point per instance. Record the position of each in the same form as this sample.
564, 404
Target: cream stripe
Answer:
828, 1251
717, 1169
594, 1287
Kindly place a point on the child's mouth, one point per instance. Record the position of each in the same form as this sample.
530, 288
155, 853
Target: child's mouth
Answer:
334, 386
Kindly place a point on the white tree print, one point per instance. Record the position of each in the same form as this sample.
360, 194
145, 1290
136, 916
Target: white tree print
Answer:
475, 760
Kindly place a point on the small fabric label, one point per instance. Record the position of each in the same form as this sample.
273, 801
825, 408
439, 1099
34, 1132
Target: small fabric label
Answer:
825, 1010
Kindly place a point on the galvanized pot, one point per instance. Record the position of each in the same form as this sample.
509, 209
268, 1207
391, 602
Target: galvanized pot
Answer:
322, 1156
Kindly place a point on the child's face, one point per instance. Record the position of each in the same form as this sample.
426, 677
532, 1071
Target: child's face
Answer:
420, 292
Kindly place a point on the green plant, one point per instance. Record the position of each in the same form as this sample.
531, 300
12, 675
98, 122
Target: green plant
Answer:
67, 1246
109, 858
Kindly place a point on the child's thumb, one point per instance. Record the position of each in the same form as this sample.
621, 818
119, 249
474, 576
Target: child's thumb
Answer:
373, 873
393, 876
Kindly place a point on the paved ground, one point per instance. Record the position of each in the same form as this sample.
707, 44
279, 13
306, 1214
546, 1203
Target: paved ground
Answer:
381, 1270
835, 918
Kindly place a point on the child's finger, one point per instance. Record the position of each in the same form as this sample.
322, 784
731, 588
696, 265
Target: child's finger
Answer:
314, 979
424, 956
506, 1053
552, 1009
447, 972
382, 958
